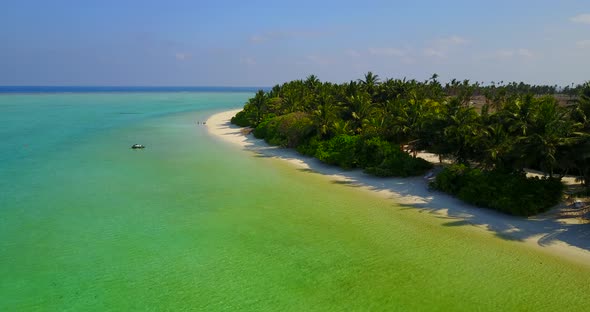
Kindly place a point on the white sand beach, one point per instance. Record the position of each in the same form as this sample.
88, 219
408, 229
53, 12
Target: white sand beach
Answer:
550, 232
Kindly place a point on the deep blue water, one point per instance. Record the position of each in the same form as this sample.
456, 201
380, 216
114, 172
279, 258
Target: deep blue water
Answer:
92, 89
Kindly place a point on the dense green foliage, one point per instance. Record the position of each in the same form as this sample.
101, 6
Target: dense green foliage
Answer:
385, 159
241, 119
340, 150
287, 130
509, 192
376, 156
380, 125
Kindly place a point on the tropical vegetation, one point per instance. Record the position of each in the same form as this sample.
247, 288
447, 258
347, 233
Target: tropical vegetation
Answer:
490, 132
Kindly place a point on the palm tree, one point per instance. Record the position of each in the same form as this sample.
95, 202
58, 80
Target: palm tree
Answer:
312, 82
325, 114
579, 154
370, 82
463, 131
360, 108
496, 148
581, 110
548, 130
258, 104
434, 77
412, 121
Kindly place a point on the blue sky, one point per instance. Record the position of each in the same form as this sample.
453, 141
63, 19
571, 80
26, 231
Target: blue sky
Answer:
262, 43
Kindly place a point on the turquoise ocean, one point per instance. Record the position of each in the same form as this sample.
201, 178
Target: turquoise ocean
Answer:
192, 223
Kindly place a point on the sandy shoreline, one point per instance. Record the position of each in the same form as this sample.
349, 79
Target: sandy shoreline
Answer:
546, 232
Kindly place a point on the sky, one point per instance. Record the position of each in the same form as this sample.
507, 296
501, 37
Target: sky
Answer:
264, 43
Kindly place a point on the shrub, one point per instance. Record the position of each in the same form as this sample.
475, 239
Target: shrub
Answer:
241, 119
384, 159
511, 193
339, 150
309, 147
260, 131
372, 151
451, 179
287, 130
400, 164
296, 128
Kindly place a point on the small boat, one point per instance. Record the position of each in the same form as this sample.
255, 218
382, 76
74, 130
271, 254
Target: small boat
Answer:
137, 146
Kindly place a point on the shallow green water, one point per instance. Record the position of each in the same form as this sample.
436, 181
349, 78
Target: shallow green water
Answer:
191, 223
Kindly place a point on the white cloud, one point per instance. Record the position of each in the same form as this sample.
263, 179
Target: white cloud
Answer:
452, 40
434, 52
182, 56
259, 38
441, 47
352, 53
281, 35
526, 53
319, 60
387, 52
269, 36
505, 54
247, 60
583, 43
581, 18
390, 55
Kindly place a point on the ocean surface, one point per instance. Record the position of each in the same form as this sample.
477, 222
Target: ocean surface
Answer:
192, 223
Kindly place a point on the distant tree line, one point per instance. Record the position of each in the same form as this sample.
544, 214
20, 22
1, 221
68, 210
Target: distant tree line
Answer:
381, 125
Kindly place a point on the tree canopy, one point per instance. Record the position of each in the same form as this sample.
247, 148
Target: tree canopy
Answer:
371, 123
